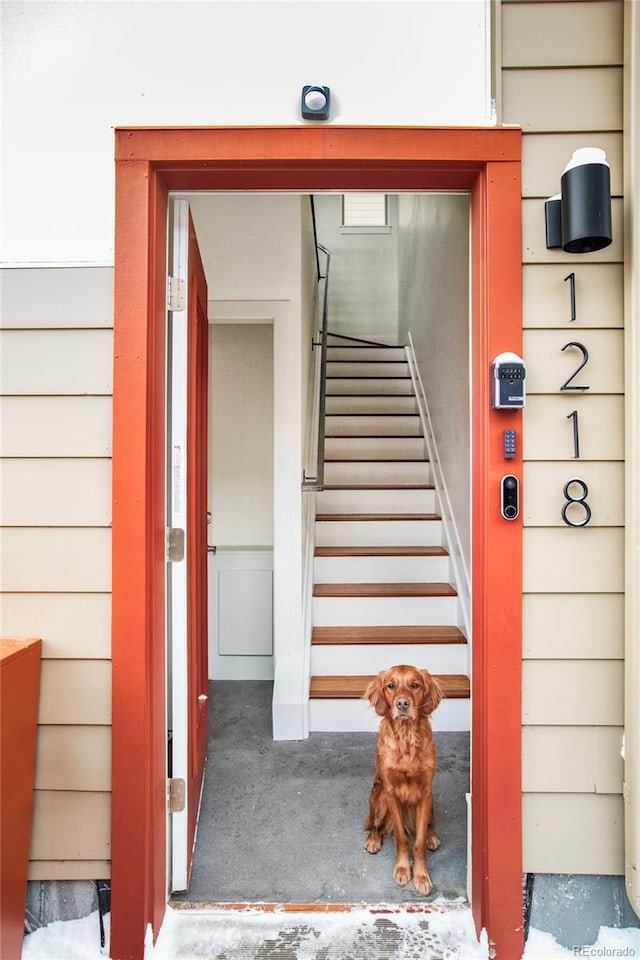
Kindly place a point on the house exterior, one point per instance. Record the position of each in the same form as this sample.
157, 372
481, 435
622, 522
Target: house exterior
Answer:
517, 84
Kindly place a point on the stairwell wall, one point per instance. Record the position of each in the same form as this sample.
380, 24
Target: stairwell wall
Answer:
433, 307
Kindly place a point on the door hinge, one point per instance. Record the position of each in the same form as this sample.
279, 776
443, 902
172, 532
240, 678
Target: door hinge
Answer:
176, 790
176, 293
175, 544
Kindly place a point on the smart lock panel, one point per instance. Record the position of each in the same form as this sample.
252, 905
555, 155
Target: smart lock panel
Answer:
508, 382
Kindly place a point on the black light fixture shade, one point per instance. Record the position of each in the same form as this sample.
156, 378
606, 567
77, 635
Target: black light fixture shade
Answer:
586, 202
578, 219
315, 102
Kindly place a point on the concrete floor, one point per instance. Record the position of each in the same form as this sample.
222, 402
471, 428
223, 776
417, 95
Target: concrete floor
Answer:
282, 821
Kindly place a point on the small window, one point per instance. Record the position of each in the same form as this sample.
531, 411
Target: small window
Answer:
364, 210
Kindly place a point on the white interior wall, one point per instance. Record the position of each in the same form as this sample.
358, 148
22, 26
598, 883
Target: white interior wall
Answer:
241, 434
433, 257
363, 281
75, 69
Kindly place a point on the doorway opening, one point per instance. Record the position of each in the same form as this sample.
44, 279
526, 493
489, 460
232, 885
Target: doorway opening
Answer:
149, 164
403, 284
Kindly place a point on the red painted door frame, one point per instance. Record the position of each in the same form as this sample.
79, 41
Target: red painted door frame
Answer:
149, 163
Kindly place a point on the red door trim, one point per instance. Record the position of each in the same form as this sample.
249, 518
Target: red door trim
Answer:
485, 161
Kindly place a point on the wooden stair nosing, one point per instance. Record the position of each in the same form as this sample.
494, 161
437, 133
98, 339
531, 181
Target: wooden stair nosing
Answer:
384, 460
379, 486
373, 436
381, 551
384, 590
453, 686
368, 517
376, 635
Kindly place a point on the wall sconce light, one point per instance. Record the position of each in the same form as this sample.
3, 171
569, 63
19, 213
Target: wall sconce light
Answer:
315, 103
578, 219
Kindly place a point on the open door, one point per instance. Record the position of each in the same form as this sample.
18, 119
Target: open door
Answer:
187, 521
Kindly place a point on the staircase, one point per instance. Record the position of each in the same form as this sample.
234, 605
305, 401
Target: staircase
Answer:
381, 581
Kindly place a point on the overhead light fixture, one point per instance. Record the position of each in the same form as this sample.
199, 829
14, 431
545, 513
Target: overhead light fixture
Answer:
315, 103
578, 219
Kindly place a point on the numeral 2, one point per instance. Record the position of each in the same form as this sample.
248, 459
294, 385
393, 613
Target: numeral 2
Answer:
567, 385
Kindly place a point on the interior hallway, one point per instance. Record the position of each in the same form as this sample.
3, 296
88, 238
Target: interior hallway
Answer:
282, 821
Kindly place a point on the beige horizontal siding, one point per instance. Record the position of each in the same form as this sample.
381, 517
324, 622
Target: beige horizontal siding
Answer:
74, 758
70, 624
75, 691
55, 297
596, 762
69, 870
573, 626
548, 100
573, 692
562, 83
534, 249
55, 426
57, 358
53, 492
536, 36
545, 155
59, 362
547, 296
543, 498
573, 833
549, 366
42, 559
71, 825
548, 434
568, 560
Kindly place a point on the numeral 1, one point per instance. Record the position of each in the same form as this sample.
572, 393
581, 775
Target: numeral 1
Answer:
576, 434
572, 284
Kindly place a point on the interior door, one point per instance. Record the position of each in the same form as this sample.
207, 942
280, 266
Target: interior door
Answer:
187, 508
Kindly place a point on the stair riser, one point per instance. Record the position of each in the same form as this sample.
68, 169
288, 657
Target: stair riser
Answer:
388, 611
377, 473
353, 716
372, 385
362, 660
389, 533
371, 405
366, 426
367, 369
381, 569
376, 501
374, 448
360, 354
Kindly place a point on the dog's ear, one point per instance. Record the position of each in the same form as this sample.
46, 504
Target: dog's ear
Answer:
375, 694
432, 695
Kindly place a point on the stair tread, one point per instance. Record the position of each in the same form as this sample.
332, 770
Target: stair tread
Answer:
453, 686
373, 436
429, 589
386, 635
378, 516
379, 486
381, 551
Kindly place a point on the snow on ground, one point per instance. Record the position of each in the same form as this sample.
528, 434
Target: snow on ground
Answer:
206, 935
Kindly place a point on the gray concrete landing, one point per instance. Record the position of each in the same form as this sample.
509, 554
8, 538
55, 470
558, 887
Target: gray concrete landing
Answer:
282, 821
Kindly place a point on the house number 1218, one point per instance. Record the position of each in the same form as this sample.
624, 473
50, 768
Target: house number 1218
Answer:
576, 512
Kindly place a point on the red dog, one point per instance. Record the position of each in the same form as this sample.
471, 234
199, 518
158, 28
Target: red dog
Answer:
401, 796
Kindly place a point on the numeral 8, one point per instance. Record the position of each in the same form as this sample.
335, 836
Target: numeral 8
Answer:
581, 500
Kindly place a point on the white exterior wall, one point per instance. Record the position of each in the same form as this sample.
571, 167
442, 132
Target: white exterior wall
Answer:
72, 71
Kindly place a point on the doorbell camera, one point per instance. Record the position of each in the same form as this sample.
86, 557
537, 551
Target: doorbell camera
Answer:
509, 497
508, 382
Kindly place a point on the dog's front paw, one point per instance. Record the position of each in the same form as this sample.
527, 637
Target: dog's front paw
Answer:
402, 875
422, 883
433, 841
373, 842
